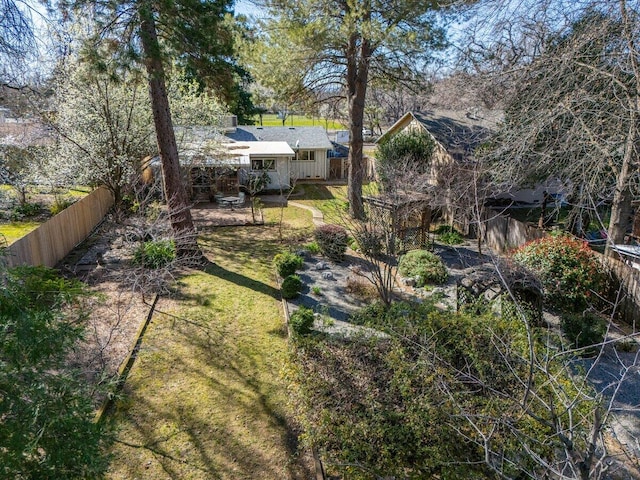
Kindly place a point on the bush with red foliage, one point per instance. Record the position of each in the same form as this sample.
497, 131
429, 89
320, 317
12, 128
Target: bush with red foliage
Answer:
571, 274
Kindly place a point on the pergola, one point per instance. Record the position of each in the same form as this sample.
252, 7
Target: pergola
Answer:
405, 216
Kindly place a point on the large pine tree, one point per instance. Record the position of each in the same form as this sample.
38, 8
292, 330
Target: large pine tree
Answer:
338, 47
190, 33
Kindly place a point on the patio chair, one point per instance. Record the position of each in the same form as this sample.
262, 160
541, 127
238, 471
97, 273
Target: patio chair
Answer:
240, 201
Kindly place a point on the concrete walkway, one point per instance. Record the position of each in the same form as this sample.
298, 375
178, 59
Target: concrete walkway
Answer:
317, 216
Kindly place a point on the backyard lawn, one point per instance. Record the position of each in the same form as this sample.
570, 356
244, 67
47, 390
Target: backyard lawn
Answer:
331, 200
205, 398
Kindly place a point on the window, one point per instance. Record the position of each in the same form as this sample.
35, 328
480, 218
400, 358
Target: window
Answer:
306, 156
263, 164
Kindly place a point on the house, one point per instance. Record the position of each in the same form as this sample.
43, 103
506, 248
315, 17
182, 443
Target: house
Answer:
457, 134
311, 146
222, 160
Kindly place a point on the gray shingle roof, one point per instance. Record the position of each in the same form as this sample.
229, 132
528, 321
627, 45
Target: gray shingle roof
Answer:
305, 138
459, 132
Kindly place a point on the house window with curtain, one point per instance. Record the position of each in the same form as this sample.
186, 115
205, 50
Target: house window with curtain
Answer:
263, 164
306, 156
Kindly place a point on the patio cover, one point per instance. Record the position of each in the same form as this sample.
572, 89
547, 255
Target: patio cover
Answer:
244, 151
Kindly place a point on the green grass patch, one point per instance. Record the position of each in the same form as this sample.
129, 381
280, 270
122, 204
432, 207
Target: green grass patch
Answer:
272, 120
369, 152
205, 398
16, 230
331, 200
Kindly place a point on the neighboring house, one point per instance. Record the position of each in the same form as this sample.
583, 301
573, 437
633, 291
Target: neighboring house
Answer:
311, 146
457, 134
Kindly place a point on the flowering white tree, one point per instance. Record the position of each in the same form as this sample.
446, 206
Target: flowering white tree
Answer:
105, 129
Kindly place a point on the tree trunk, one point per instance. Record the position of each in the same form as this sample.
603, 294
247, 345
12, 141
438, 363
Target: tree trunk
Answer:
357, 77
175, 193
622, 208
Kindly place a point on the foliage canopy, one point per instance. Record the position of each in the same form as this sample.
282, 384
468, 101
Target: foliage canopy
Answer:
47, 414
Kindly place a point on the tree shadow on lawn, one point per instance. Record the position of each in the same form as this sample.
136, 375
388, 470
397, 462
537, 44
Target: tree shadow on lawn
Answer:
240, 280
217, 417
310, 191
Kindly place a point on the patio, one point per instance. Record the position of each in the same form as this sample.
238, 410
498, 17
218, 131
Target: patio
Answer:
207, 214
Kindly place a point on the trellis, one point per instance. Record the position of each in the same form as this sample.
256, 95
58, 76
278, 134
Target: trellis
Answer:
483, 286
405, 219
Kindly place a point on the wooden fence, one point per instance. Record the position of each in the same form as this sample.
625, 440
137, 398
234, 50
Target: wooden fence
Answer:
628, 307
502, 233
54, 239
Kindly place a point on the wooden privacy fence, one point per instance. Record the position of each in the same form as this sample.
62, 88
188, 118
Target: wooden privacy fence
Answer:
502, 233
54, 239
628, 307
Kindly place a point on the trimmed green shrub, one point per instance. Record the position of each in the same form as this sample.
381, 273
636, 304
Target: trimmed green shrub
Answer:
301, 321
291, 287
424, 266
583, 330
332, 241
449, 235
312, 247
155, 254
407, 151
569, 271
287, 263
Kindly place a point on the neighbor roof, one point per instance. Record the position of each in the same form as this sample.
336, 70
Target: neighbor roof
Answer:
305, 138
459, 132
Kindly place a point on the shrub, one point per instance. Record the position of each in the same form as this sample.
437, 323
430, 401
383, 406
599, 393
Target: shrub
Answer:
60, 204
569, 271
583, 330
332, 241
360, 288
424, 266
449, 235
627, 345
287, 263
155, 254
25, 210
291, 287
301, 321
312, 247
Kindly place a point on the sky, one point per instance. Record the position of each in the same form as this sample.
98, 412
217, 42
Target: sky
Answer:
247, 7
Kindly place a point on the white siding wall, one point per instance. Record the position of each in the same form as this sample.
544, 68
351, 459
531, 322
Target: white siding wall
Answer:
279, 177
317, 169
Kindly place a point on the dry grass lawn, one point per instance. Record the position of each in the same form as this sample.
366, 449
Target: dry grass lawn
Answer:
205, 399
